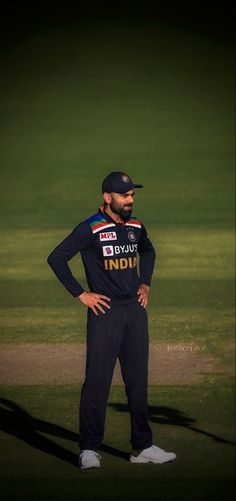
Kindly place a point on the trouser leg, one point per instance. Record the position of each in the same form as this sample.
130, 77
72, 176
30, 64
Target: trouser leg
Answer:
133, 356
104, 334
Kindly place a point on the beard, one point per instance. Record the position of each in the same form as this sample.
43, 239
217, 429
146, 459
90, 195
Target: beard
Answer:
123, 213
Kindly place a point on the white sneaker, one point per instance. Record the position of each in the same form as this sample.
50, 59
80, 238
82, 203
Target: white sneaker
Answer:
153, 454
89, 459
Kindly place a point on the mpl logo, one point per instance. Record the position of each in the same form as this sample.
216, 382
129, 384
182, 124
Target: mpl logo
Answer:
108, 235
108, 250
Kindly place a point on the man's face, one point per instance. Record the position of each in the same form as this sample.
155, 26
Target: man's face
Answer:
122, 204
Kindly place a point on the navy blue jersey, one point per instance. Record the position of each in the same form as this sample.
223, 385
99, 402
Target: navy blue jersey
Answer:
109, 252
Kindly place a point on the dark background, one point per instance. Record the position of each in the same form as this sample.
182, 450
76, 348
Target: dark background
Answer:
213, 19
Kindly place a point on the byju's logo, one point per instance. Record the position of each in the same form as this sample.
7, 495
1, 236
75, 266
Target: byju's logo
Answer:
108, 250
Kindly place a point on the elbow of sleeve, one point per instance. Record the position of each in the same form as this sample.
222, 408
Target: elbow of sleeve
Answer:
56, 262
50, 259
152, 255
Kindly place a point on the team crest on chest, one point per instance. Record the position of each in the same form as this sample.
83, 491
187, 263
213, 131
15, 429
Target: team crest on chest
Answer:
132, 236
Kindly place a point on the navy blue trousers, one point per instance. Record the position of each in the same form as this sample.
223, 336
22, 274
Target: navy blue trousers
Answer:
122, 332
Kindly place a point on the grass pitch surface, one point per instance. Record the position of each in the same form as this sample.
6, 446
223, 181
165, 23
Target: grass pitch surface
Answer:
40, 452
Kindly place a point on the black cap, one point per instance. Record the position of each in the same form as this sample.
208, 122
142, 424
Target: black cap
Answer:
119, 182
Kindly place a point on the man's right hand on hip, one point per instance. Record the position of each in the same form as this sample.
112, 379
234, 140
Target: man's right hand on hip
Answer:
94, 300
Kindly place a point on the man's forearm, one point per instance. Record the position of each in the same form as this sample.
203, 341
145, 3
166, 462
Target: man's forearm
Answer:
147, 263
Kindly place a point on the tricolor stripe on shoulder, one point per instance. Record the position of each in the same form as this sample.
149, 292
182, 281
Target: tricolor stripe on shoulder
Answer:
100, 226
97, 222
134, 221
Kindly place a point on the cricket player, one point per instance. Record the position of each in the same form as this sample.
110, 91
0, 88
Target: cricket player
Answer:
117, 324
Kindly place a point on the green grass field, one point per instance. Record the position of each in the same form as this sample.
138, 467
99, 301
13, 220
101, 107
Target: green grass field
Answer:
157, 103
41, 454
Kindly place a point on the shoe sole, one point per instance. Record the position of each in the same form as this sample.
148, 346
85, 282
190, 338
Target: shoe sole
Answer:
133, 459
89, 467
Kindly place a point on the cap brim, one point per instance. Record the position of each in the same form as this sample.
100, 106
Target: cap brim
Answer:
129, 186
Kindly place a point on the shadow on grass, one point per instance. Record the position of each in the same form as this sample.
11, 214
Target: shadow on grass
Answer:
173, 417
20, 424
17, 422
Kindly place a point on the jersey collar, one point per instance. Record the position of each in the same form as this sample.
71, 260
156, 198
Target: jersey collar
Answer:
109, 218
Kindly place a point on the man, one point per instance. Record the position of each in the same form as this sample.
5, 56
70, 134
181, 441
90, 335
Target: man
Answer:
117, 323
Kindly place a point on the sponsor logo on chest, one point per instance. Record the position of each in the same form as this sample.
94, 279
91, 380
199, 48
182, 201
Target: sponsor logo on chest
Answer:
108, 235
110, 250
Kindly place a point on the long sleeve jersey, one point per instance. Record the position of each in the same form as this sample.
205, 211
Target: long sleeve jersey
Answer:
109, 254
